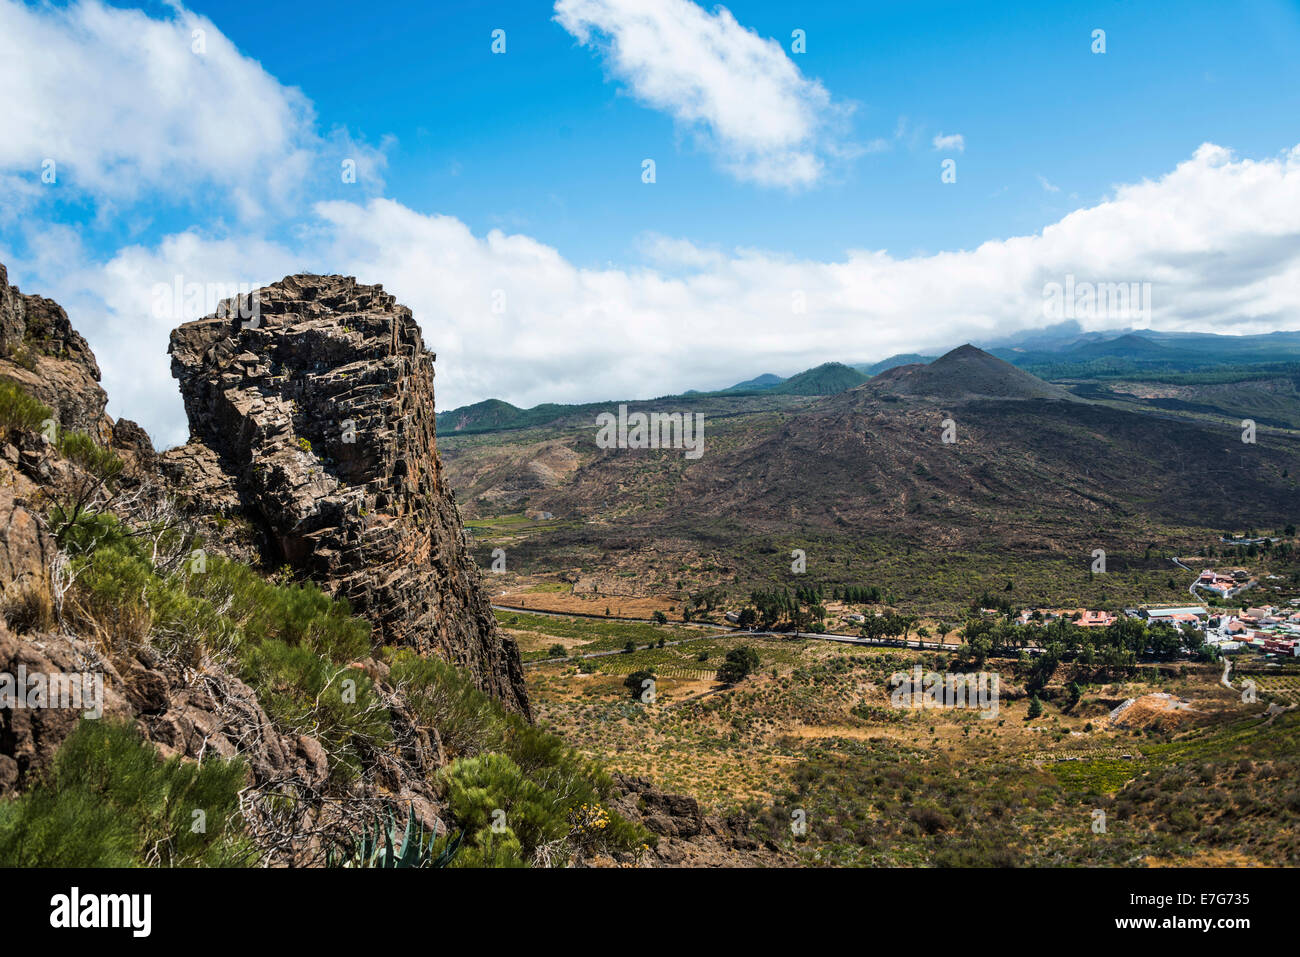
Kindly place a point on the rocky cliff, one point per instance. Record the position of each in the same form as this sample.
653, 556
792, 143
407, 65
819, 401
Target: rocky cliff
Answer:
41, 352
313, 419
50, 361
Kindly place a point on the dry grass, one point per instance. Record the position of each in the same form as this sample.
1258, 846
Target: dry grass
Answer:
749, 747
29, 608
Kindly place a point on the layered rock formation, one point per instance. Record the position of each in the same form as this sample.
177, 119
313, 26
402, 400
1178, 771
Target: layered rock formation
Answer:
41, 351
314, 420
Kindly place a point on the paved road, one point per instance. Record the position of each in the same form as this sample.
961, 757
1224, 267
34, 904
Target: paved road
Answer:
918, 644
620, 651
595, 617
823, 636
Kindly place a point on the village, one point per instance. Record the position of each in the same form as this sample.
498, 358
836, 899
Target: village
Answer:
1268, 630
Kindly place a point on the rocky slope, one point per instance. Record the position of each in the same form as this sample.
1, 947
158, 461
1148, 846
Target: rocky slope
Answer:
312, 446
1031, 468
315, 422
690, 838
371, 518
41, 351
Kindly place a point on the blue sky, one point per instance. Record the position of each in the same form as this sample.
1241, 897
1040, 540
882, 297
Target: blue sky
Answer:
537, 140
779, 175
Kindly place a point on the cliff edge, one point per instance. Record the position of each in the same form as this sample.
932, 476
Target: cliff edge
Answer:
311, 417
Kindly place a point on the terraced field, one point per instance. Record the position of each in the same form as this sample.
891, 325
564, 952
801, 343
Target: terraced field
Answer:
1282, 687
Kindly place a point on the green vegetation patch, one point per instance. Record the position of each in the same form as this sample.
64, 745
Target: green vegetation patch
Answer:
110, 800
1101, 776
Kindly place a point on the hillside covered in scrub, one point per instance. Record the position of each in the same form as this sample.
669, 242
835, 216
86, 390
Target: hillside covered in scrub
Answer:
294, 648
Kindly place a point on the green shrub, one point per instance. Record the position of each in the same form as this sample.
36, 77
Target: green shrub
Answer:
445, 699
110, 800
113, 598
83, 451
550, 795
492, 849
304, 692
635, 681
297, 613
19, 411
480, 788
88, 531
739, 663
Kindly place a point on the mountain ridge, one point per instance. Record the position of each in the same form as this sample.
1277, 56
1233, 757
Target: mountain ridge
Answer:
1063, 353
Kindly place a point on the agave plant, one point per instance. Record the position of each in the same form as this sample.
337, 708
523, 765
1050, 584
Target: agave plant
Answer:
375, 848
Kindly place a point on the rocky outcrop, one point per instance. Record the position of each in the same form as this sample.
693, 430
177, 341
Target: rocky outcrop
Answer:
41, 351
367, 515
30, 736
26, 546
314, 421
687, 837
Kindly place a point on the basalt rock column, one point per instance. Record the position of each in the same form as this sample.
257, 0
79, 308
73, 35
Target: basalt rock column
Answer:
314, 420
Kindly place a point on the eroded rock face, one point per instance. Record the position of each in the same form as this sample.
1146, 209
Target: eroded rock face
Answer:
315, 421
687, 836
26, 546
30, 737
41, 351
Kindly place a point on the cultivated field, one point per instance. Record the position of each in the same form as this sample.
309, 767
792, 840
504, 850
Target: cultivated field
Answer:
1188, 773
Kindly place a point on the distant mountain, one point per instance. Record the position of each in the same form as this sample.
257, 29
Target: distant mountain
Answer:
1059, 353
1034, 468
1128, 353
1128, 346
757, 384
488, 414
902, 359
1053, 338
965, 372
492, 415
830, 378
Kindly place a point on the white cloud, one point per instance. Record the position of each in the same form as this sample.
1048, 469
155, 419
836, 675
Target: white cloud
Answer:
766, 122
125, 107
1049, 187
1216, 237
953, 143
115, 305
671, 253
